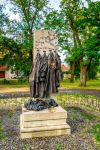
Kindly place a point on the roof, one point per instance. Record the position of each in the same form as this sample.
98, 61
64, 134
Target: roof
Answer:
3, 68
64, 67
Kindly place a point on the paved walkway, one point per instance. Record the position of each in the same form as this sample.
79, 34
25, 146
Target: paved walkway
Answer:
22, 93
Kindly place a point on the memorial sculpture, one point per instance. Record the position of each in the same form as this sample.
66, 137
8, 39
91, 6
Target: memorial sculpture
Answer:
41, 115
44, 80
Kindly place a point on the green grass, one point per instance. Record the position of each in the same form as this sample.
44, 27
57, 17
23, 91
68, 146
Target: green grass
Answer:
65, 84
75, 96
91, 84
96, 131
14, 83
59, 146
87, 116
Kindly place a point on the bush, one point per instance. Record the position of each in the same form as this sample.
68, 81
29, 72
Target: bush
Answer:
5, 81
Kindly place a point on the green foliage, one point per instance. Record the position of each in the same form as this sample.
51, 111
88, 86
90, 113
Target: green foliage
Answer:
78, 35
59, 147
77, 70
17, 50
15, 56
91, 84
13, 83
92, 74
56, 21
87, 116
84, 23
4, 20
96, 131
26, 147
5, 81
31, 14
77, 27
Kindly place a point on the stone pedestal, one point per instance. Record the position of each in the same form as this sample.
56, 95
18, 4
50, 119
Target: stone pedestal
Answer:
48, 122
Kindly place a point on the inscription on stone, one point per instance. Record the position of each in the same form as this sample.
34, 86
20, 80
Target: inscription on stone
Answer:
44, 40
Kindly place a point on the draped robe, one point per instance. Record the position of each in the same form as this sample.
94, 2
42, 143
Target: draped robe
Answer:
45, 76
37, 77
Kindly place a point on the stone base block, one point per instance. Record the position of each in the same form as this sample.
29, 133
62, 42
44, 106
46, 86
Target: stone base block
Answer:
43, 123
47, 114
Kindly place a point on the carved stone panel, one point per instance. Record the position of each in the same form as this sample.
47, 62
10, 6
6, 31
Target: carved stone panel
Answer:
44, 40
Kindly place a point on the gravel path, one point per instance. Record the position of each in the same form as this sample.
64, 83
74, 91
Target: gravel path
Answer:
80, 139
79, 91
67, 91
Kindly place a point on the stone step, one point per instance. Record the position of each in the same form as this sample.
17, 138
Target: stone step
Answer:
47, 133
47, 114
42, 128
30, 124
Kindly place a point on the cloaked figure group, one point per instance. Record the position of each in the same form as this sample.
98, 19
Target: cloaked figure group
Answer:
45, 75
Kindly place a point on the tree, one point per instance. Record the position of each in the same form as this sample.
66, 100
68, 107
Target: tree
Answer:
89, 25
4, 20
75, 24
81, 21
58, 22
31, 14
19, 34
14, 56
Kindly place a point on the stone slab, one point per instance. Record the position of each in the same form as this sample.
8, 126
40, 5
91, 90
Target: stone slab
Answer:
42, 128
30, 124
47, 114
45, 133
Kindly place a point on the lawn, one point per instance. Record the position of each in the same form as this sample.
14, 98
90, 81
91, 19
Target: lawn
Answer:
16, 86
13, 86
91, 84
13, 83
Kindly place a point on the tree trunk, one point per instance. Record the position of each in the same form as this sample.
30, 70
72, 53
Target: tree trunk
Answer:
72, 72
83, 75
87, 76
75, 32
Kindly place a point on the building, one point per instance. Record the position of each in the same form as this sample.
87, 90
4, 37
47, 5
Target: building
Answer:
4, 71
65, 69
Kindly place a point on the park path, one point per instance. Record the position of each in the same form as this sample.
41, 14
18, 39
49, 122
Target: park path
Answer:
81, 91
24, 92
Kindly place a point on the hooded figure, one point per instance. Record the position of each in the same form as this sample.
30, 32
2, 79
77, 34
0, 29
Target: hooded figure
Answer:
42, 75
37, 76
34, 77
58, 72
51, 76
45, 76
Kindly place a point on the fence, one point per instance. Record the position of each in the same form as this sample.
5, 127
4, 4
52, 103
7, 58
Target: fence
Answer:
88, 101
78, 100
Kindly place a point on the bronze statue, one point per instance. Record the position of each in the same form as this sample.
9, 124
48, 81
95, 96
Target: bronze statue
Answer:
45, 76
44, 80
